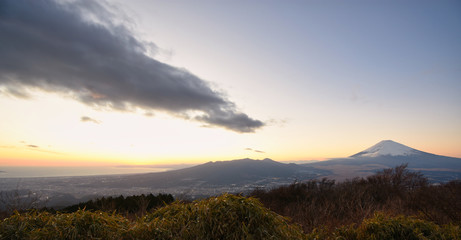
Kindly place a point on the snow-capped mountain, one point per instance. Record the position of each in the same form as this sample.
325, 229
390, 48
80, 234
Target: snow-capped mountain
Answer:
387, 147
388, 154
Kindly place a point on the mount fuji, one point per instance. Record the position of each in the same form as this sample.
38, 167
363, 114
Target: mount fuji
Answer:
387, 147
388, 154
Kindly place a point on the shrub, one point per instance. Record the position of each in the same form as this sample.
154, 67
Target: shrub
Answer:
137, 205
79, 225
224, 217
317, 204
439, 203
385, 227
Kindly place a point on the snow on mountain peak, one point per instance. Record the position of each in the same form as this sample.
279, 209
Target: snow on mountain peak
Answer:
386, 147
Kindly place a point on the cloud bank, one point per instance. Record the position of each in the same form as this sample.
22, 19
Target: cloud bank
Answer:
79, 49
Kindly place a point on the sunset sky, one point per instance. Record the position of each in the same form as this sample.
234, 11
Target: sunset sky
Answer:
165, 82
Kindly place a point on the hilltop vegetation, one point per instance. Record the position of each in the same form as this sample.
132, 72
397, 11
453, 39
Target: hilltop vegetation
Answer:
397, 191
392, 204
223, 217
128, 206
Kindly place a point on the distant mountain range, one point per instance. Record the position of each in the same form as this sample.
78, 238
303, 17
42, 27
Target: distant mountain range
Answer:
244, 175
388, 154
223, 173
247, 172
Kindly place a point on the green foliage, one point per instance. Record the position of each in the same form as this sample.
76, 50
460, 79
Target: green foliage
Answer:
224, 217
126, 205
384, 227
403, 227
78, 225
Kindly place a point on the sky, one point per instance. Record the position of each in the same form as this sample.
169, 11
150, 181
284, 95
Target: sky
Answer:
145, 82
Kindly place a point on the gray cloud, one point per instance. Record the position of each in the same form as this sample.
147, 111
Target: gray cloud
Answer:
88, 119
254, 150
37, 148
149, 114
78, 48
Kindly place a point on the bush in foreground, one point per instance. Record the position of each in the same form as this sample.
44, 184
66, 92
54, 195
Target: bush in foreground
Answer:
402, 227
383, 227
224, 217
127, 206
78, 225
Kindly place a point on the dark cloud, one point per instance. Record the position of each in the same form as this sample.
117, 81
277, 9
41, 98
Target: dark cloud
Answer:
79, 49
32, 146
88, 119
12, 91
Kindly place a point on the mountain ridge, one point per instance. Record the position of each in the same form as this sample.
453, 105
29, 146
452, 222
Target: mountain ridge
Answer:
387, 147
242, 175
240, 171
388, 154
